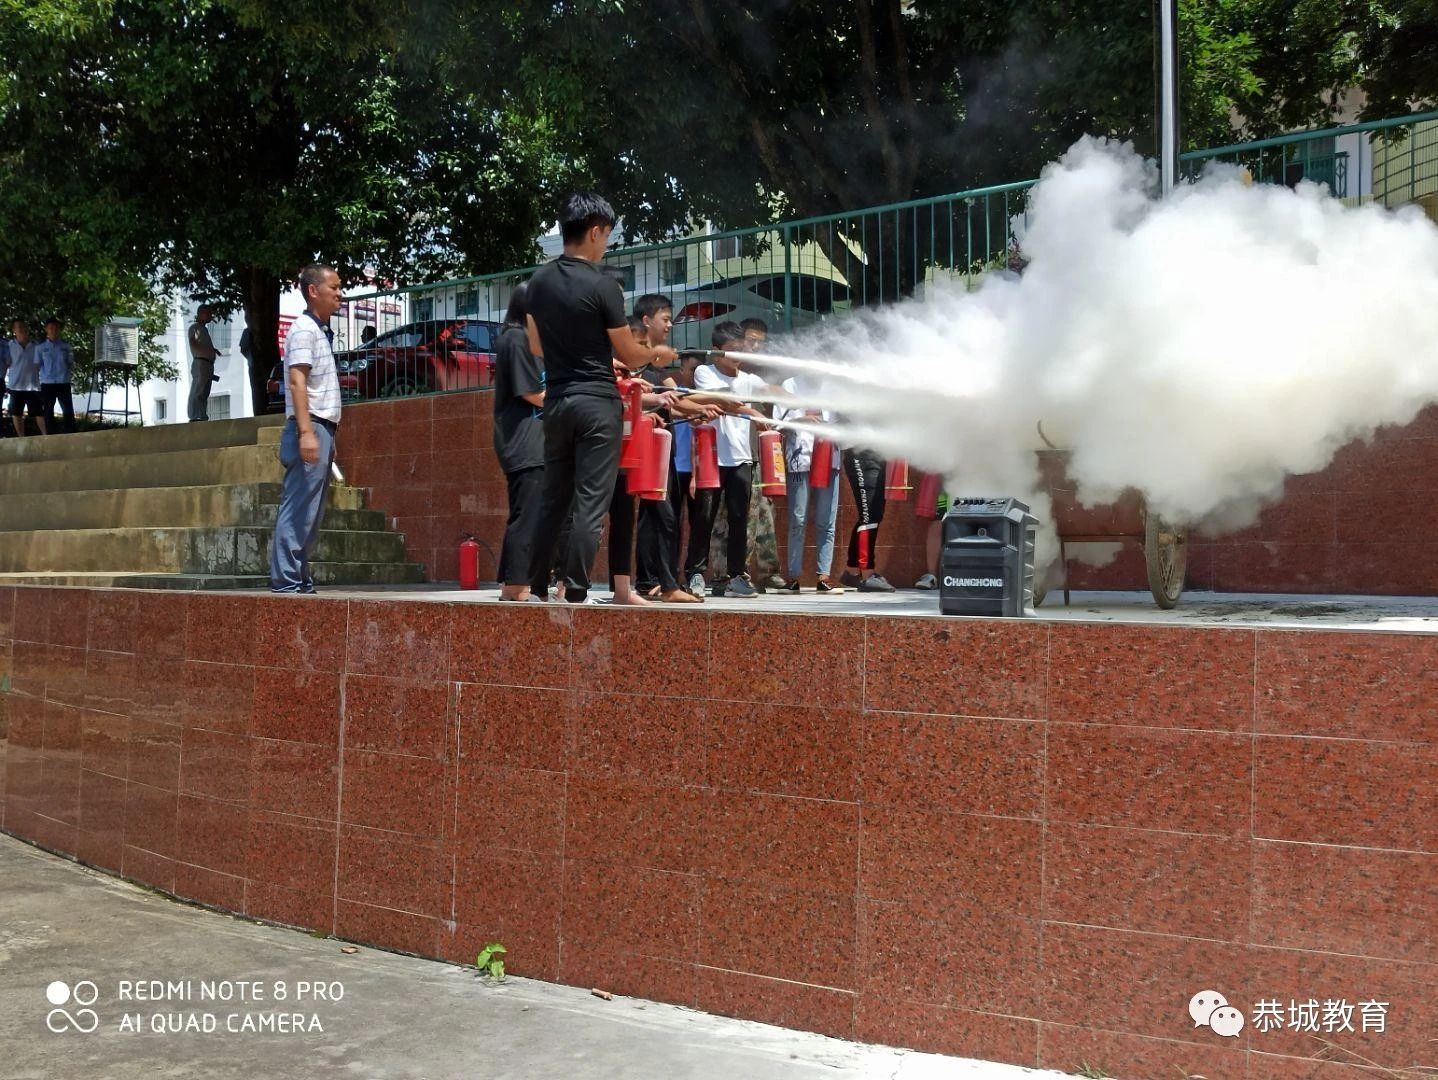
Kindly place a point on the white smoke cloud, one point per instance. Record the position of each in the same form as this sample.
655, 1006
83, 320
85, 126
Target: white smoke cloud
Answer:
1198, 348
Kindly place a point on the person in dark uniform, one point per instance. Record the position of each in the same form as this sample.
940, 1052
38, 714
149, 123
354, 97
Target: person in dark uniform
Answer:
577, 325
518, 443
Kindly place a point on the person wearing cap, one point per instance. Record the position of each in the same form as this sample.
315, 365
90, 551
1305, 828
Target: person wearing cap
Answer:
202, 364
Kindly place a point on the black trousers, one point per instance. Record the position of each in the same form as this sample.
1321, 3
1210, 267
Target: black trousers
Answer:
50, 393
865, 471
581, 460
659, 536
621, 529
526, 497
734, 489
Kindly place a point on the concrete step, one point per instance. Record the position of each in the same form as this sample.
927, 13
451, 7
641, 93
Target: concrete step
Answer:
179, 468
160, 439
326, 573
368, 573
194, 506
335, 519
216, 550
139, 581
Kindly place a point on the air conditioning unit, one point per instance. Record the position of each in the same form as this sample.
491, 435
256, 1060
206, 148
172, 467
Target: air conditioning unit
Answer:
118, 342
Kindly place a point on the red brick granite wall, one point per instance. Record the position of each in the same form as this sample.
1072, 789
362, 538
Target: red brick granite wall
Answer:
429, 464
1368, 524
1018, 840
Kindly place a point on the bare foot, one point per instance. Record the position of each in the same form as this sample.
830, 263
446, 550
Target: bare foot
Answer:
679, 596
631, 600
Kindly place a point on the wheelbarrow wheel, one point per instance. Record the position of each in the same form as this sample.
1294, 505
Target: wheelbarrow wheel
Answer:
1165, 550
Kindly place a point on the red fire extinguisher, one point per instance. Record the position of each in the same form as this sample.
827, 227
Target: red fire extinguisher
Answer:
896, 483
468, 562
706, 457
654, 474
926, 499
821, 464
771, 464
641, 441
630, 449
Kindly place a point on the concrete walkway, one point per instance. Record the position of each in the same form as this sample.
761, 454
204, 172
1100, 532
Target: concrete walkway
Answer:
382, 1015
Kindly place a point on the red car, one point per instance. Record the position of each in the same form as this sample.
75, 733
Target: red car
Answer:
438, 354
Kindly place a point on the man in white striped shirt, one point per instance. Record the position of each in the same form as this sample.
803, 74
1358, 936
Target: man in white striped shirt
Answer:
307, 444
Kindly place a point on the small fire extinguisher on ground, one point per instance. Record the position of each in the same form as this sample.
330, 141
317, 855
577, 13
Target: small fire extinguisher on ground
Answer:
468, 562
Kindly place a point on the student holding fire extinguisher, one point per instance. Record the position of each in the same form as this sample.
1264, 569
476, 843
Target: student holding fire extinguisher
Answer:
736, 465
809, 479
658, 548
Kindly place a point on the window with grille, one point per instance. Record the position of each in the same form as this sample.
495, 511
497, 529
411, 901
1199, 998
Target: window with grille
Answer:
220, 407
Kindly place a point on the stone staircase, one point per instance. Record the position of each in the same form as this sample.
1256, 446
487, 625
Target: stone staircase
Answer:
176, 506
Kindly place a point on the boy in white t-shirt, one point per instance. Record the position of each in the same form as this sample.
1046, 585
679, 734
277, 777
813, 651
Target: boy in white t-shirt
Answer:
736, 467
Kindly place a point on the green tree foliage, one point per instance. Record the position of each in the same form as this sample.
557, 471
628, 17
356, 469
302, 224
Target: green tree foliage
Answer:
216, 147
736, 109
1399, 46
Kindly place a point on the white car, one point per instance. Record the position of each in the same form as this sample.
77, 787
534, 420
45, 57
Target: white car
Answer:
700, 308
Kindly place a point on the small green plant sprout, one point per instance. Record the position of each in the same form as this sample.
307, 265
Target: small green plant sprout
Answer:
1091, 1072
489, 961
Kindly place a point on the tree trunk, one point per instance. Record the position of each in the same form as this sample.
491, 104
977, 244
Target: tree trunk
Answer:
262, 316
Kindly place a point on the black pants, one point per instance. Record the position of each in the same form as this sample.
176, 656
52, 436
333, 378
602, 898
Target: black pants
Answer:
621, 529
581, 459
734, 489
526, 496
865, 471
50, 393
659, 536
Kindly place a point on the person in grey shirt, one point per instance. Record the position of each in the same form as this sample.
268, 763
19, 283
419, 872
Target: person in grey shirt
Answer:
22, 378
57, 364
202, 364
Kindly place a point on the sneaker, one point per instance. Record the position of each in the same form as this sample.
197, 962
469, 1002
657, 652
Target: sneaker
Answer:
698, 586
928, 581
739, 587
851, 580
826, 586
875, 583
789, 587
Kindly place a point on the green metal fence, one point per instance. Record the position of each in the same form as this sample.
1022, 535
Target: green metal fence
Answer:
1387, 161
793, 274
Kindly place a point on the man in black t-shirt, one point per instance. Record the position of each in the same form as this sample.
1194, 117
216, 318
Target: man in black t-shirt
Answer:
577, 324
